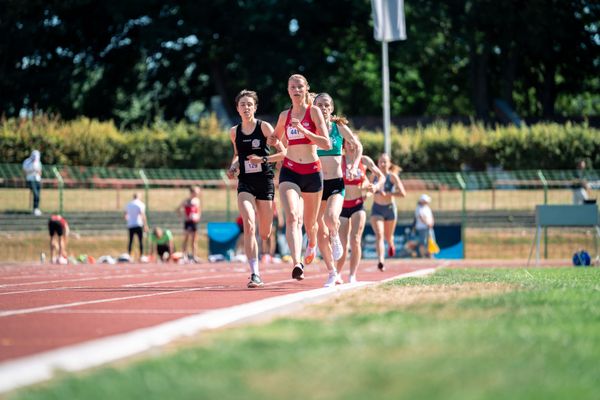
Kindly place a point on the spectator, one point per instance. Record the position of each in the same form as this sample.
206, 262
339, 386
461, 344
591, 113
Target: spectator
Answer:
191, 210
33, 174
162, 242
135, 215
58, 229
424, 224
580, 186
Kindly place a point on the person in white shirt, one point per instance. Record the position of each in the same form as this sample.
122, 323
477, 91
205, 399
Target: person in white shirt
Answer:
423, 223
135, 215
33, 174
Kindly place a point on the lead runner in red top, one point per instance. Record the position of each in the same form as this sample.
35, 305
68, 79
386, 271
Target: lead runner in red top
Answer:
301, 129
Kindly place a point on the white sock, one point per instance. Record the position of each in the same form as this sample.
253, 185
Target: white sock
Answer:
253, 262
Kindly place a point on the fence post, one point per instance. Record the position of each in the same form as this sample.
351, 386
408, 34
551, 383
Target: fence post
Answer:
228, 200
545, 184
463, 218
147, 200
61, 187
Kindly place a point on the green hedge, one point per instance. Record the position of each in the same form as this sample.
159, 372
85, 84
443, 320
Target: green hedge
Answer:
442, 148
207, 145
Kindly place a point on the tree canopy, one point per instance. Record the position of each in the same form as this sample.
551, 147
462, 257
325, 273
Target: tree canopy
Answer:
135, 61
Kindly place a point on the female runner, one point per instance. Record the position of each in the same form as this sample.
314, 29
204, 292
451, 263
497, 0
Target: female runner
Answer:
256, 190
384, 213
302, 129
354, 216
333, 182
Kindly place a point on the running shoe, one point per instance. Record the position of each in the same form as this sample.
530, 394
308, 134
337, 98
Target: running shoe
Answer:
380, 266
391, 251
337, 250
309, 255
255, 281
339, 280
298, 272
352, 279
331, 279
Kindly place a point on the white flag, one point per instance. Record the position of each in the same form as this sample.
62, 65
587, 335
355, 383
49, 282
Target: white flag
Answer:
388, 20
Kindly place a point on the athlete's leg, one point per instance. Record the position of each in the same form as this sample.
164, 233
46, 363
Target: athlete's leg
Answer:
357, 227
344, 232
264, 210
312, 201
377, 224
323, 237
292, 206
389, 227
331, 214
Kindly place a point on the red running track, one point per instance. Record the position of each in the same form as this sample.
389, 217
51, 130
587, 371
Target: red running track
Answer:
45, 307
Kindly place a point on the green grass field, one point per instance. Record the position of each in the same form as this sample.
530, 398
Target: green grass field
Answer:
459, 334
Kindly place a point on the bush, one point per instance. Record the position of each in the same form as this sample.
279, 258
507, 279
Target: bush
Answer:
442, 148
206, 145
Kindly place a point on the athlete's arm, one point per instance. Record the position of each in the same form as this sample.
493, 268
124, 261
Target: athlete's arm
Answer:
272, 140
376, 172
233, 167
352, 140
400, 190
279, 130
321, 138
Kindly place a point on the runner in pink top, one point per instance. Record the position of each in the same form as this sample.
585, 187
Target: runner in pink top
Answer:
302, 129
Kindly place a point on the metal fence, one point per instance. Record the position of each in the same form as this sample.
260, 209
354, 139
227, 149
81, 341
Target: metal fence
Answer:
494, 208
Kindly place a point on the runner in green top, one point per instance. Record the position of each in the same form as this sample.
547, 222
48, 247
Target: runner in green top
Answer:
332, 200
162, 242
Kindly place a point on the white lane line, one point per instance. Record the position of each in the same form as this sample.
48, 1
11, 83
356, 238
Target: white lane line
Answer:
84, 303
126, 311
110, 276
132, 285
41, 367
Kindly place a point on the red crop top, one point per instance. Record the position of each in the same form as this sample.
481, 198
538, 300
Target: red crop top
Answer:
356, 181
293, 135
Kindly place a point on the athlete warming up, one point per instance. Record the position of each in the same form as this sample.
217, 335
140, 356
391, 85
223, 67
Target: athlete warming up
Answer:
191, 210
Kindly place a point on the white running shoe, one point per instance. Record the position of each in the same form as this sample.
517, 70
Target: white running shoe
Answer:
337, 250
339, 280
331, 280
352, 279
37, 212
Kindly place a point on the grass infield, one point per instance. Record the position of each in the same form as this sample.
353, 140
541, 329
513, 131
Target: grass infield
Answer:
459, 334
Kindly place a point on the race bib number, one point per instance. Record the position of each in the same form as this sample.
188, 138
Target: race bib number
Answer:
252, 168
294, 133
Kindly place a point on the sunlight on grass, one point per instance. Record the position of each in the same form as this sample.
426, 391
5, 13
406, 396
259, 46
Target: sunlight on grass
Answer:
493, 334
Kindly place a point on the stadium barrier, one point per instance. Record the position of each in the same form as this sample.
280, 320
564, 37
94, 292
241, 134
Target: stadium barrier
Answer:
490, 206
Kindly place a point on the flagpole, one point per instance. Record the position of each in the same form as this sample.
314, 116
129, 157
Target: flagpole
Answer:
386, 97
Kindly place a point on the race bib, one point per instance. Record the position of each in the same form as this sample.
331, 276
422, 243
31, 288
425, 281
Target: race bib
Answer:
294, 133
252, 168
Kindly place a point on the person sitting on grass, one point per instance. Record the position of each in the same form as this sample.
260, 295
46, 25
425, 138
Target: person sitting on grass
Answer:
58, 229
162, 243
